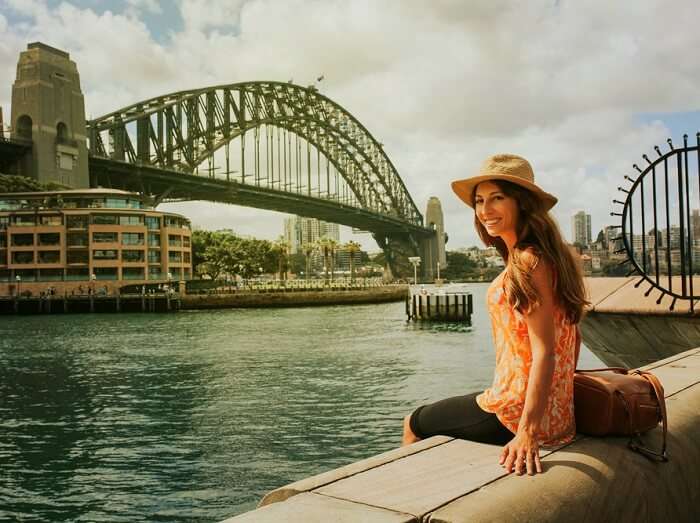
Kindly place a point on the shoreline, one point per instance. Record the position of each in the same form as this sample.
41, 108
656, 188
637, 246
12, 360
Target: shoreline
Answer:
256, 299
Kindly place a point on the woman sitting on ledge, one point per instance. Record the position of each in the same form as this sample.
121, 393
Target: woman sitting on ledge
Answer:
535, 306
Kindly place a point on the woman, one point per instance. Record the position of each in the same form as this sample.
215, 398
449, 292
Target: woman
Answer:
535, 306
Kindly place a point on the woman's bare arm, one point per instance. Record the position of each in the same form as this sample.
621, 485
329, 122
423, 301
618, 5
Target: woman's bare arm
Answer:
523, 450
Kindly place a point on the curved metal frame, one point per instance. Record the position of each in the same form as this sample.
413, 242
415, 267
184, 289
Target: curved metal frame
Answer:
233, 109
686, 251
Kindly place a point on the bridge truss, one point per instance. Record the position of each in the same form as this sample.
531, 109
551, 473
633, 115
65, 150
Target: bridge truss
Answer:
270, 145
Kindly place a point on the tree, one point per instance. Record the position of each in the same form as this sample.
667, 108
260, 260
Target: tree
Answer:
459, 266
352, 247
281, 248
327, 246
308, 249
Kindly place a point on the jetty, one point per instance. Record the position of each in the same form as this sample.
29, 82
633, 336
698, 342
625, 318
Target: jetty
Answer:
438, 303
445, 480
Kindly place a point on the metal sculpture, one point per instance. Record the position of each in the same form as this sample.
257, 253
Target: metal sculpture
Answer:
666, 256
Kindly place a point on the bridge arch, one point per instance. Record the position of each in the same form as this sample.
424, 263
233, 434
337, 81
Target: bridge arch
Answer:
182, 131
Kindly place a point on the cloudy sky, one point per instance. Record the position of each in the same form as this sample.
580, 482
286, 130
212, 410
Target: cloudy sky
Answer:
581, 89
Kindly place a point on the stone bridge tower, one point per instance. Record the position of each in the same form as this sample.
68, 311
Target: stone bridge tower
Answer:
434, 248
48, 109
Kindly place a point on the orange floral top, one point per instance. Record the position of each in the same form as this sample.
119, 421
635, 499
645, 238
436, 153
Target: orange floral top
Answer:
506, 396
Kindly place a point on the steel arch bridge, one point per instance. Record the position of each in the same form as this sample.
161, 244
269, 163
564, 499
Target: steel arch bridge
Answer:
269, 145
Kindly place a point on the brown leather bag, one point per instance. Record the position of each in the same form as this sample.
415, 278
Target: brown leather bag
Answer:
617, 402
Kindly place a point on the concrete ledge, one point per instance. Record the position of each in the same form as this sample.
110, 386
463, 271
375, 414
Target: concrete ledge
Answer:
589, 480
623, 327
620, 296
294, 299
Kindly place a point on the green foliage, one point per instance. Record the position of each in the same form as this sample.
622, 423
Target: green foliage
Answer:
9, 183
220, 253
459, 267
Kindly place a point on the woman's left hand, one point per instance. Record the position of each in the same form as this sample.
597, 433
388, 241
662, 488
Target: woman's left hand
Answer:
523, 453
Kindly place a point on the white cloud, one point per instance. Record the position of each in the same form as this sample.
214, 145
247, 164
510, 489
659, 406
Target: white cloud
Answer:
442, 84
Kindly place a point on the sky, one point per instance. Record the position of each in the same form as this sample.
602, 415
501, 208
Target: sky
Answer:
581, 89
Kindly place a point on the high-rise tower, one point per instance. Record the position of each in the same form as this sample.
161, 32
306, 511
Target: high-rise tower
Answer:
48, 109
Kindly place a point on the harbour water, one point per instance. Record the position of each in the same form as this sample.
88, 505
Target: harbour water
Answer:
194, 416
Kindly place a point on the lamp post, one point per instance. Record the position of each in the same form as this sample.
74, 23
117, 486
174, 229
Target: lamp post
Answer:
415, 261
18, 279
92, 283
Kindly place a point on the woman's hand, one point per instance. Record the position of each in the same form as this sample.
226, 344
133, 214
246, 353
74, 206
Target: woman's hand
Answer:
523, 452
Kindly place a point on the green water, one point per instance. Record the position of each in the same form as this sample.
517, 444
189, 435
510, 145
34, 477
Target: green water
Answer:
194, 416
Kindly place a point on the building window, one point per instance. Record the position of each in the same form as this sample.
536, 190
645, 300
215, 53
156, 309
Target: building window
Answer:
187, 275
153, 256
50, 274
51, 219
77, 257
174, 257
116, 203
154, 273
185, 241
76, 221
105, 237
77, 274
3, 241
4, 222
129, 219
104, 254
176, 223
105, 219
186, 257
105, 273
22, 240
132, 273
49, 238
174, 241
153, 239
77, 239
49, 256
22, 257
132, 238
23, 220
132, 256
153, 223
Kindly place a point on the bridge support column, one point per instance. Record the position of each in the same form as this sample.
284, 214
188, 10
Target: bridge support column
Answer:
48, 110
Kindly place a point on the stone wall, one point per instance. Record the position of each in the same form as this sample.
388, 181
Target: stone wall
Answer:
389, 293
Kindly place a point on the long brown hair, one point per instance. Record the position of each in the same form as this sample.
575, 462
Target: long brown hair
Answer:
537, 232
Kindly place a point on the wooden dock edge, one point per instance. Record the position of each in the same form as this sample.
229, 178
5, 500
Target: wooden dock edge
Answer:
449, 481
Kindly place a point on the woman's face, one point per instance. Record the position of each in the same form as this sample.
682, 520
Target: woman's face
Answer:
496, 211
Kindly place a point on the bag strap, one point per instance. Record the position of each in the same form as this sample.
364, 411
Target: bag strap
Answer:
635, 442
619, 370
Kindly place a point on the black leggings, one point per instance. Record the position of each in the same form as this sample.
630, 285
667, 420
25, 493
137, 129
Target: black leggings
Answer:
459, 417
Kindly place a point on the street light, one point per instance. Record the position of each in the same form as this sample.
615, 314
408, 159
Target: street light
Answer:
415, 260
92, 283
18, 279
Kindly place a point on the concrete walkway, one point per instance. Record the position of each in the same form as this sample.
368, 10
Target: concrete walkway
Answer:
445, 480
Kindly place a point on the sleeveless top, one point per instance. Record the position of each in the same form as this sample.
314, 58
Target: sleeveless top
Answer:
506, 396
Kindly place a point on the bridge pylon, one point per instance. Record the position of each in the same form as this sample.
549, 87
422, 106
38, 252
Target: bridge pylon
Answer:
48, 111
399, 247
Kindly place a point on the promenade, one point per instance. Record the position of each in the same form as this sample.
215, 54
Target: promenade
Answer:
445, 480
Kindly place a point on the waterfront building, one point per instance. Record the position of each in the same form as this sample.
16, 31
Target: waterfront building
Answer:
299, 230
581, 228
83, 239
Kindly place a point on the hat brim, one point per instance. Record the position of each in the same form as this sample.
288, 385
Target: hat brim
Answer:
464, 188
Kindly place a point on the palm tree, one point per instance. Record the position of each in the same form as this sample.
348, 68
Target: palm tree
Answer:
281, 248
308, 249
351, 248
327, 246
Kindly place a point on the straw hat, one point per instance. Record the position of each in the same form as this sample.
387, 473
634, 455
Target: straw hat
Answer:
508, 167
